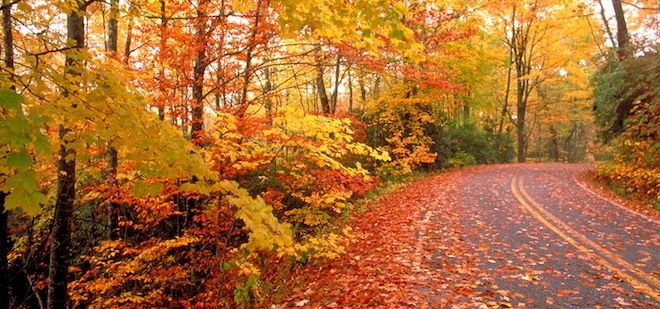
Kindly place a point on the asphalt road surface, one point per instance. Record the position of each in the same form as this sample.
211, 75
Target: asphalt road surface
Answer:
557, 244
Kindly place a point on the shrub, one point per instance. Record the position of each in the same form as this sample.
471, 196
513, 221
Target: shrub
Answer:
461, 159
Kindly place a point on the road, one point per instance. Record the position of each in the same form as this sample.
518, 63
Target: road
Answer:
555, 243
517, 235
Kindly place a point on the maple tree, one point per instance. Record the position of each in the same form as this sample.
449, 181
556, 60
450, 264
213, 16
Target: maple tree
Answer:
185, 153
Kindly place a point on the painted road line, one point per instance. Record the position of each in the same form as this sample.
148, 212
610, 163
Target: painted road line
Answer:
614, 269
586, 241
592, 192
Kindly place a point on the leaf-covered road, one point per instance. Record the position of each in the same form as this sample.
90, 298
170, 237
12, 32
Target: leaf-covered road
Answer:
493, 236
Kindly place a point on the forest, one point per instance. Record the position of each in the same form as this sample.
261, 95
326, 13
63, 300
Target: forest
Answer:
195, 153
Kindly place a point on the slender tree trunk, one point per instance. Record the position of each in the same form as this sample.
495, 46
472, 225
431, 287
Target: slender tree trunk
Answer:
4, 251
221, 89
113, 156
520, 122
335, 92
363, 90
466, 110
66, 176
248, 59
129, 34
622, 36
8, 38
624, 51
505, 107
4, 216
555, 144
268, 102
197, 125
376, 90
320, 87
606, 24
350, 92
161, 60
522, 56
113, 24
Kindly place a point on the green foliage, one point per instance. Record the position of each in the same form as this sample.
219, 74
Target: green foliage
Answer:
20, 138
246, 293
484, 146
461, 159
634, 164
636, 79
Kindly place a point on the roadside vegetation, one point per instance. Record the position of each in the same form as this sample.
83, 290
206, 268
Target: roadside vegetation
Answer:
190, 153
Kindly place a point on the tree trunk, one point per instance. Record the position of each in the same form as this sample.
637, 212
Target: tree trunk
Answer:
248, 60
129, 34
466, 111
606, 23
113, 156
4, 251
554, 151
350, 92
221, 89
624, 51
522, 51
112, 27
363, 89
376, 90
320, 87
335, 92
622, 36
197, 124
268, 103
8, 38
4, 216
161, 61
505, 108
66, 177
520, 123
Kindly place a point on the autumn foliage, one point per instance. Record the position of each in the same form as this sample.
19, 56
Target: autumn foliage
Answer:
171, 153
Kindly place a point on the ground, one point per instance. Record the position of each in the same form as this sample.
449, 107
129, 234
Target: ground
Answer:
521, 235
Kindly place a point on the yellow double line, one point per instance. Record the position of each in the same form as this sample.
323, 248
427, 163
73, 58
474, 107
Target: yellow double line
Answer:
581, 242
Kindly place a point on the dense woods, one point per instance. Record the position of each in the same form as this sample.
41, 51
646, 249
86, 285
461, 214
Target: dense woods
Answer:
190, 153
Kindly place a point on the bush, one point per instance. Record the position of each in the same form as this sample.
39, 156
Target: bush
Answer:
400, 124
461, 159
485, 146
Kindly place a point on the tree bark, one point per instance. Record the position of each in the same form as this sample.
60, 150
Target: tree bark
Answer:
505, 107
622, 36
248, 59
161, 60
268, 102
320, 87
8, 37
335, 92
606, 23
624, 52
113, 156
554, 151
363, 89
197, 124
350, 92
4, 216
66, 176
4, 251
129, 34
522, 50
112, 27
